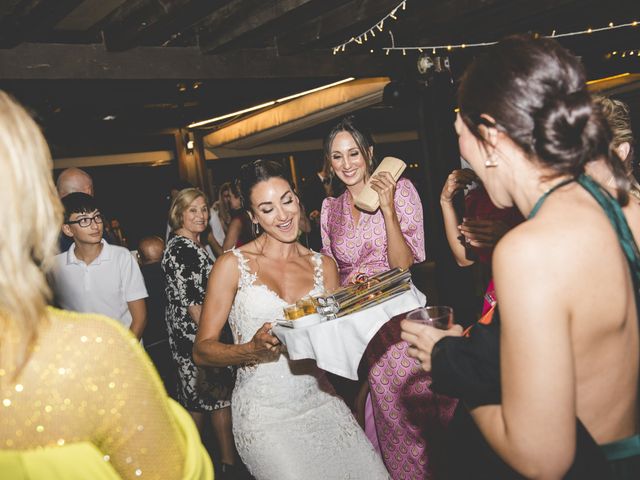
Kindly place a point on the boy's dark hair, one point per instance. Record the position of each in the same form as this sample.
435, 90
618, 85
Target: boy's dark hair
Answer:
78, 202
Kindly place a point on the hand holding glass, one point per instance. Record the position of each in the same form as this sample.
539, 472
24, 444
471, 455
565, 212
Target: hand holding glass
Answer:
440, 317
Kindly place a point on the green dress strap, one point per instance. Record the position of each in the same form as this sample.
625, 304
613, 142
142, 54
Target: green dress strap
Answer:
617, 219
612, 209
544, 196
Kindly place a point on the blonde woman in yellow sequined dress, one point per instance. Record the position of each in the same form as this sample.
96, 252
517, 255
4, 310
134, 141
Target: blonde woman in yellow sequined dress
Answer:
78, 396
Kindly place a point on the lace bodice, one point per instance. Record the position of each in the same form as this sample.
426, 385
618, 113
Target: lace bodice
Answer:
287, 422
256, 304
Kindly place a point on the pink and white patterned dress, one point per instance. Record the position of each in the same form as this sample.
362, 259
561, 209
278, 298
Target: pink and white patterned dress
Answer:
409, 418
362, 248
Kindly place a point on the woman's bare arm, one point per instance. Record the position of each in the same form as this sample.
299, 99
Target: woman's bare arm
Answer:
533, 429
221, 291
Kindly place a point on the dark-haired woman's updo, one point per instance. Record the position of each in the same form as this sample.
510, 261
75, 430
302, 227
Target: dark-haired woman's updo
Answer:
535, 91
254, 172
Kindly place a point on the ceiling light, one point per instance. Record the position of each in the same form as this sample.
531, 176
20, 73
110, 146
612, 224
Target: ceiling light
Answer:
108, 118
268, 104
232, 114
600, 80
307, 92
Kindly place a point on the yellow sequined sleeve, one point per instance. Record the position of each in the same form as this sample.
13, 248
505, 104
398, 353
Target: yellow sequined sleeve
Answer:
90, 383
135, 426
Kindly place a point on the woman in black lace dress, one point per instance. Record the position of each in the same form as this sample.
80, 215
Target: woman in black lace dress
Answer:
186, 265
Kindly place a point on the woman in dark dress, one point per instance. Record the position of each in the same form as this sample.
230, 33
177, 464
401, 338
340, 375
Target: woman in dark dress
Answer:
240, 226
186, 265
551, 381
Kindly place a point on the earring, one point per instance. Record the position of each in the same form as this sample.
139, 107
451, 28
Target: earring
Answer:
256, 229
491, 161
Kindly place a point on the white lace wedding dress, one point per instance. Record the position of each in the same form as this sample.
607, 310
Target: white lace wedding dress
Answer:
287, 421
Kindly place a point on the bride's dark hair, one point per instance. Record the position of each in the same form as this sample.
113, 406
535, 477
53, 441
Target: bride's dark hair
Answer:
535, 91
257, 171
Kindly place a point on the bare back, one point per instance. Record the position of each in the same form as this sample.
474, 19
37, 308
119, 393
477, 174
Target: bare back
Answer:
570, 334
604, 329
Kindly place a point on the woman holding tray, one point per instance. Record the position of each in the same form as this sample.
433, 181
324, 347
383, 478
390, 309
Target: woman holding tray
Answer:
365, 244
287, 421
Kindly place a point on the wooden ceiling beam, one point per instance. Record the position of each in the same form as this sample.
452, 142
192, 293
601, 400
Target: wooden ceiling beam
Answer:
82, 62
240, 19
7, 7
32, 18
141, 22
334, 26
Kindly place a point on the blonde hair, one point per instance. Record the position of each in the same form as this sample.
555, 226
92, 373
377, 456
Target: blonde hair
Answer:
180, 204
619, 119
31, 217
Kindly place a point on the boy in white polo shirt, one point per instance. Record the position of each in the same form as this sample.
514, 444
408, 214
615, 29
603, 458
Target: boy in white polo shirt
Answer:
93, 276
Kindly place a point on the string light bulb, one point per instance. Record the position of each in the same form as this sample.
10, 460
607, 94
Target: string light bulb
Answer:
364, 36
554, 34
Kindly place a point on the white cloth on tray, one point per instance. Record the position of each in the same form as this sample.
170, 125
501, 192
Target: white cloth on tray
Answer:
338, 345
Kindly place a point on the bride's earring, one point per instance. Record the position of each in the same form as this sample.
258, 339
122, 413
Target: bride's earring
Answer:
256, 229
490, 162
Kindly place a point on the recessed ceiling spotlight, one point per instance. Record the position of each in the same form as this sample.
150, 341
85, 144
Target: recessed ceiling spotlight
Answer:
108, 118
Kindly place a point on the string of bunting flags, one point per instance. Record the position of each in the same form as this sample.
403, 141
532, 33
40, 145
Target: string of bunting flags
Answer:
379, 27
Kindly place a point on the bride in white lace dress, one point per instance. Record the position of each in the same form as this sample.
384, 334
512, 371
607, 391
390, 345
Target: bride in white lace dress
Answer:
287, 421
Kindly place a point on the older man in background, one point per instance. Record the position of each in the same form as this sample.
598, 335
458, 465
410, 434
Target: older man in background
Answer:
73, 180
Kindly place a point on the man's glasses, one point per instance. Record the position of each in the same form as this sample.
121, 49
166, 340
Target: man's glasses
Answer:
84, 222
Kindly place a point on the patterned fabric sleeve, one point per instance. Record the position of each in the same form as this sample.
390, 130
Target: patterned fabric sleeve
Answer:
409, 211
324, 227
188, 274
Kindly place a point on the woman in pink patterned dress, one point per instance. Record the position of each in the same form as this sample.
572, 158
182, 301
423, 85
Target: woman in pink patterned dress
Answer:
401, 413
